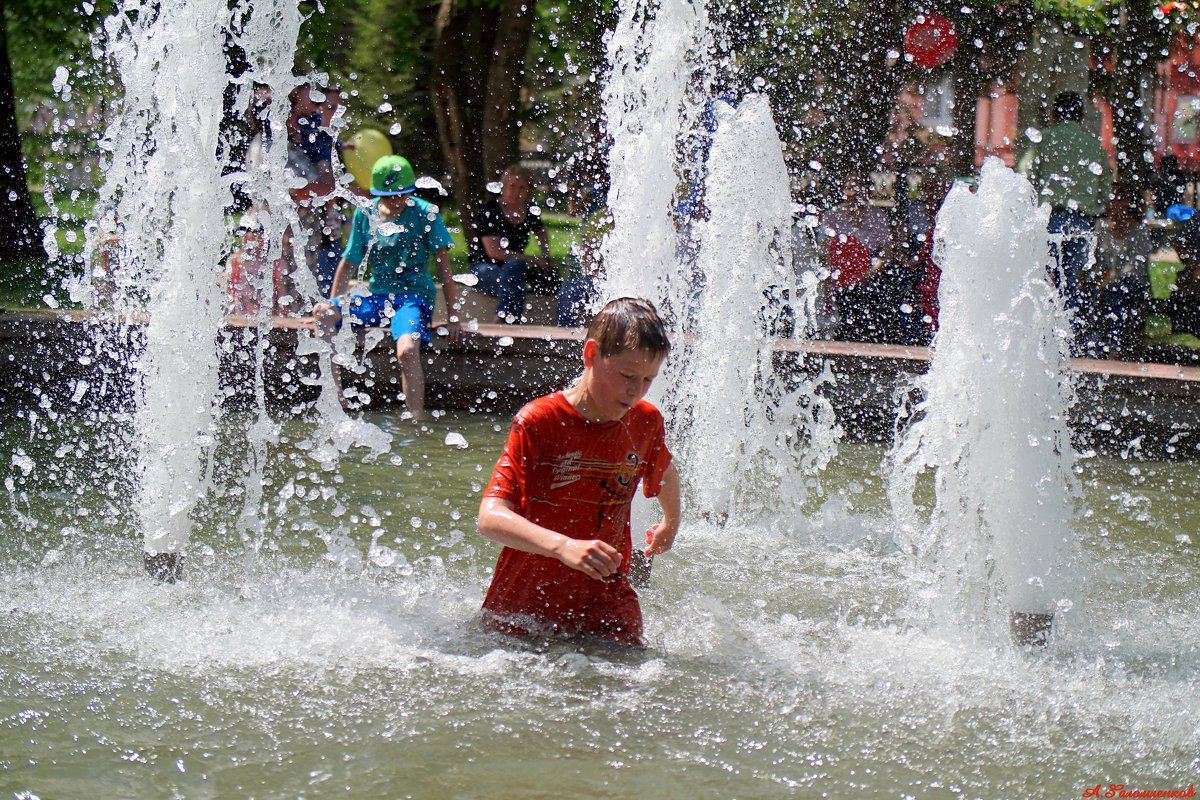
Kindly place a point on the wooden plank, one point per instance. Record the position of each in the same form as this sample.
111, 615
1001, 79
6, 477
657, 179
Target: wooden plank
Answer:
66, 358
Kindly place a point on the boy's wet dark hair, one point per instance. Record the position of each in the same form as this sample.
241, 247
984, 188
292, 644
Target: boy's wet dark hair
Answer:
629, 323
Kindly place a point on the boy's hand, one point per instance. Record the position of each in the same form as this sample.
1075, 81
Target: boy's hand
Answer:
659, 538
592, 557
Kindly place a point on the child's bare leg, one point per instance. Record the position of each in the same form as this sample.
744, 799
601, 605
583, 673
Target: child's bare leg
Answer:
412, 376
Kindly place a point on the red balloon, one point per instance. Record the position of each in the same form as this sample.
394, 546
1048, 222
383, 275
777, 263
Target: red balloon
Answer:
931, 40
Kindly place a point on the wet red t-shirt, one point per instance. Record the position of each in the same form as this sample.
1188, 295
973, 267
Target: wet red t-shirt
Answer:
575, 477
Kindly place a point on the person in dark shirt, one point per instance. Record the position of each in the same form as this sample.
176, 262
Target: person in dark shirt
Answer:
1168, 184
503, 229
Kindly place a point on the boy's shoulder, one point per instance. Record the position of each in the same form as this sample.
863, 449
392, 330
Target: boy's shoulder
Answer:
425, 207
549, 406
556, 409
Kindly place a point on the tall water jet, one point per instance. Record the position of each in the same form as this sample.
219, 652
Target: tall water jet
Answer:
165, 188
751, 436
647, 108
708, 271
646, 111
991, 422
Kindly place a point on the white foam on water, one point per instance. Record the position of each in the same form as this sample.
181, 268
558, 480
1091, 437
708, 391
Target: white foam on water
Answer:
781, 654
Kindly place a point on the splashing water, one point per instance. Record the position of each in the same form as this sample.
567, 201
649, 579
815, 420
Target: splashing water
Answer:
992, 422
646, 108
164, 185
167, 194
708, 275
749, 436
778, 667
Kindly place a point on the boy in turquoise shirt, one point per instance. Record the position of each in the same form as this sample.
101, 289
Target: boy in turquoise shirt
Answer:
395, 238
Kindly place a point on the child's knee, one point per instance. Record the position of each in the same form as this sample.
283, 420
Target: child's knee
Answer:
408, 347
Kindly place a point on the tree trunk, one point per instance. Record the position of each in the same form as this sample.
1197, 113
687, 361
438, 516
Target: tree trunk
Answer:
968, 85
501, 135
479, 54
20, 234
1133, 67
874, 85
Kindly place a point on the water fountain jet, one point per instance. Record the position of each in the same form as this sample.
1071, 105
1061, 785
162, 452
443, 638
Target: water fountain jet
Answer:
990, 423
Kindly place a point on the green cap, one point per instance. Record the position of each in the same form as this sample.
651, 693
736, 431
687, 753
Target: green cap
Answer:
392, 175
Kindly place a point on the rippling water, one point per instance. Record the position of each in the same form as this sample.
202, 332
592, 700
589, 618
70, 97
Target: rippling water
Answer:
335, 651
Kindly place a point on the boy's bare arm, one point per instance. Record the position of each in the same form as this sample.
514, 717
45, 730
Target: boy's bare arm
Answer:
661, 536
450, 292
341, 278
499, 522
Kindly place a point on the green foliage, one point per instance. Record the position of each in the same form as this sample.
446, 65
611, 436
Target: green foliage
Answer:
46, 34
564, 74
378, 52
1088, 17
26, 284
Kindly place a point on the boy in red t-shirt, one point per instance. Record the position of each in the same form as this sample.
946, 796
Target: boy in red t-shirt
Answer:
559, 497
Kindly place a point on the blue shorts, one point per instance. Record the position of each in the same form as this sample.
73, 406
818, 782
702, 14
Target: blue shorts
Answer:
409, 313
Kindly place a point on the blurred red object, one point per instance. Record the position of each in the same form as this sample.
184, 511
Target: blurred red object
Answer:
849, 259
931, 40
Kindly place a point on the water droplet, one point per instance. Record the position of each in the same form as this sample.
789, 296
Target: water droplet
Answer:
382, 556
494, 187
454, 439
395, 129
1096, 168
426, 182
61, 76
23, 462
384, 108
1033, 134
